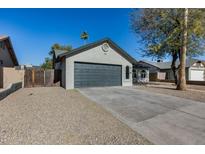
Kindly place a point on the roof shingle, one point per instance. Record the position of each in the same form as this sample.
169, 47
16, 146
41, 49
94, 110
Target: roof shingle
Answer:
91, 45
167, 65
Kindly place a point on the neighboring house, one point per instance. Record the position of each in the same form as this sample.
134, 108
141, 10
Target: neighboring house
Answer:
8, 64
98, 64
27, 66
7, 54
140, 73
195, 69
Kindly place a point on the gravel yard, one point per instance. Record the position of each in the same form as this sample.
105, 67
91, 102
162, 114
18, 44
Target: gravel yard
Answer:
56, 116
194, 92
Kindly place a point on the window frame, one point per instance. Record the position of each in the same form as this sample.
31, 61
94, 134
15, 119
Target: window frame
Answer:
127, 72
143, 74
1, 62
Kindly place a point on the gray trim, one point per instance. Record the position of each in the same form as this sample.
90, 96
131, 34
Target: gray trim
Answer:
96, 63
92, 45
58, 52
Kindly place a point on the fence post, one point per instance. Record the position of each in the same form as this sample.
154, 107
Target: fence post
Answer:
33, 77
44, 77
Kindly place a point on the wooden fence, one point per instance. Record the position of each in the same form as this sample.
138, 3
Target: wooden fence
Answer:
41, 78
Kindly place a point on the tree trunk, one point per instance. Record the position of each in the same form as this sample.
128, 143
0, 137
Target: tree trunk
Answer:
182, 73
174, 68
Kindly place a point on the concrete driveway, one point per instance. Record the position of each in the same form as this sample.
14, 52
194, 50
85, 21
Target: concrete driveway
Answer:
162, 119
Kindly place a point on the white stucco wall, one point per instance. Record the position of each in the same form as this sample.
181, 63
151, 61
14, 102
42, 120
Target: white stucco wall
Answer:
5, 57
96, 55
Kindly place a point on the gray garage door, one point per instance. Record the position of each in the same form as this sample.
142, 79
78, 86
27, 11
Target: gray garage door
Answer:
96, 75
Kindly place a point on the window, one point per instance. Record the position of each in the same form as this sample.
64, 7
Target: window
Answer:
1, 62
2, 46
167, 75
127, 71
143, 74
134, 73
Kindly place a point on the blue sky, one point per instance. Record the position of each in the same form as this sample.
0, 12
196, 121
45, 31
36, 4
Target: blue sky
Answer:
33, 31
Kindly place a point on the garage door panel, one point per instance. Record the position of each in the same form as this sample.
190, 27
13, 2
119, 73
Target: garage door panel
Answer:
197, 75
96, 75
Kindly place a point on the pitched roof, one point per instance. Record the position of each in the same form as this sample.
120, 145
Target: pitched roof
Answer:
92, 45
167, 65
58, 52
160, 65
10, 49
3, 38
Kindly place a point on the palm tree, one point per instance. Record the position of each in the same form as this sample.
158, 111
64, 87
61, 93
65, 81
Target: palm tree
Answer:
84, 36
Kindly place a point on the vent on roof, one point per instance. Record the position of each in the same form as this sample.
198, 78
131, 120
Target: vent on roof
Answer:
105, 47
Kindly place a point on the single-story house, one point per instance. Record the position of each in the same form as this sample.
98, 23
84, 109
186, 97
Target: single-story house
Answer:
7, 54
140, 73
8, 64
102, 63
195, 69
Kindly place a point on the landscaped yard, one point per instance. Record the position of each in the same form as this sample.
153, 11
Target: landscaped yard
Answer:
56, 116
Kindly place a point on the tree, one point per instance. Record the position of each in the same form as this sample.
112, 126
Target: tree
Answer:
84, 36
182, 76
49, 61
57, 46
48, 64
161, 33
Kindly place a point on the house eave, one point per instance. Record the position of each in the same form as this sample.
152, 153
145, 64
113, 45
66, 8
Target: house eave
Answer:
95, 44
9, 45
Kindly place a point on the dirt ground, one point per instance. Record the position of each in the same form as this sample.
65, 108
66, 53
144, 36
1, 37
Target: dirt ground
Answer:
56, 116
194, 92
